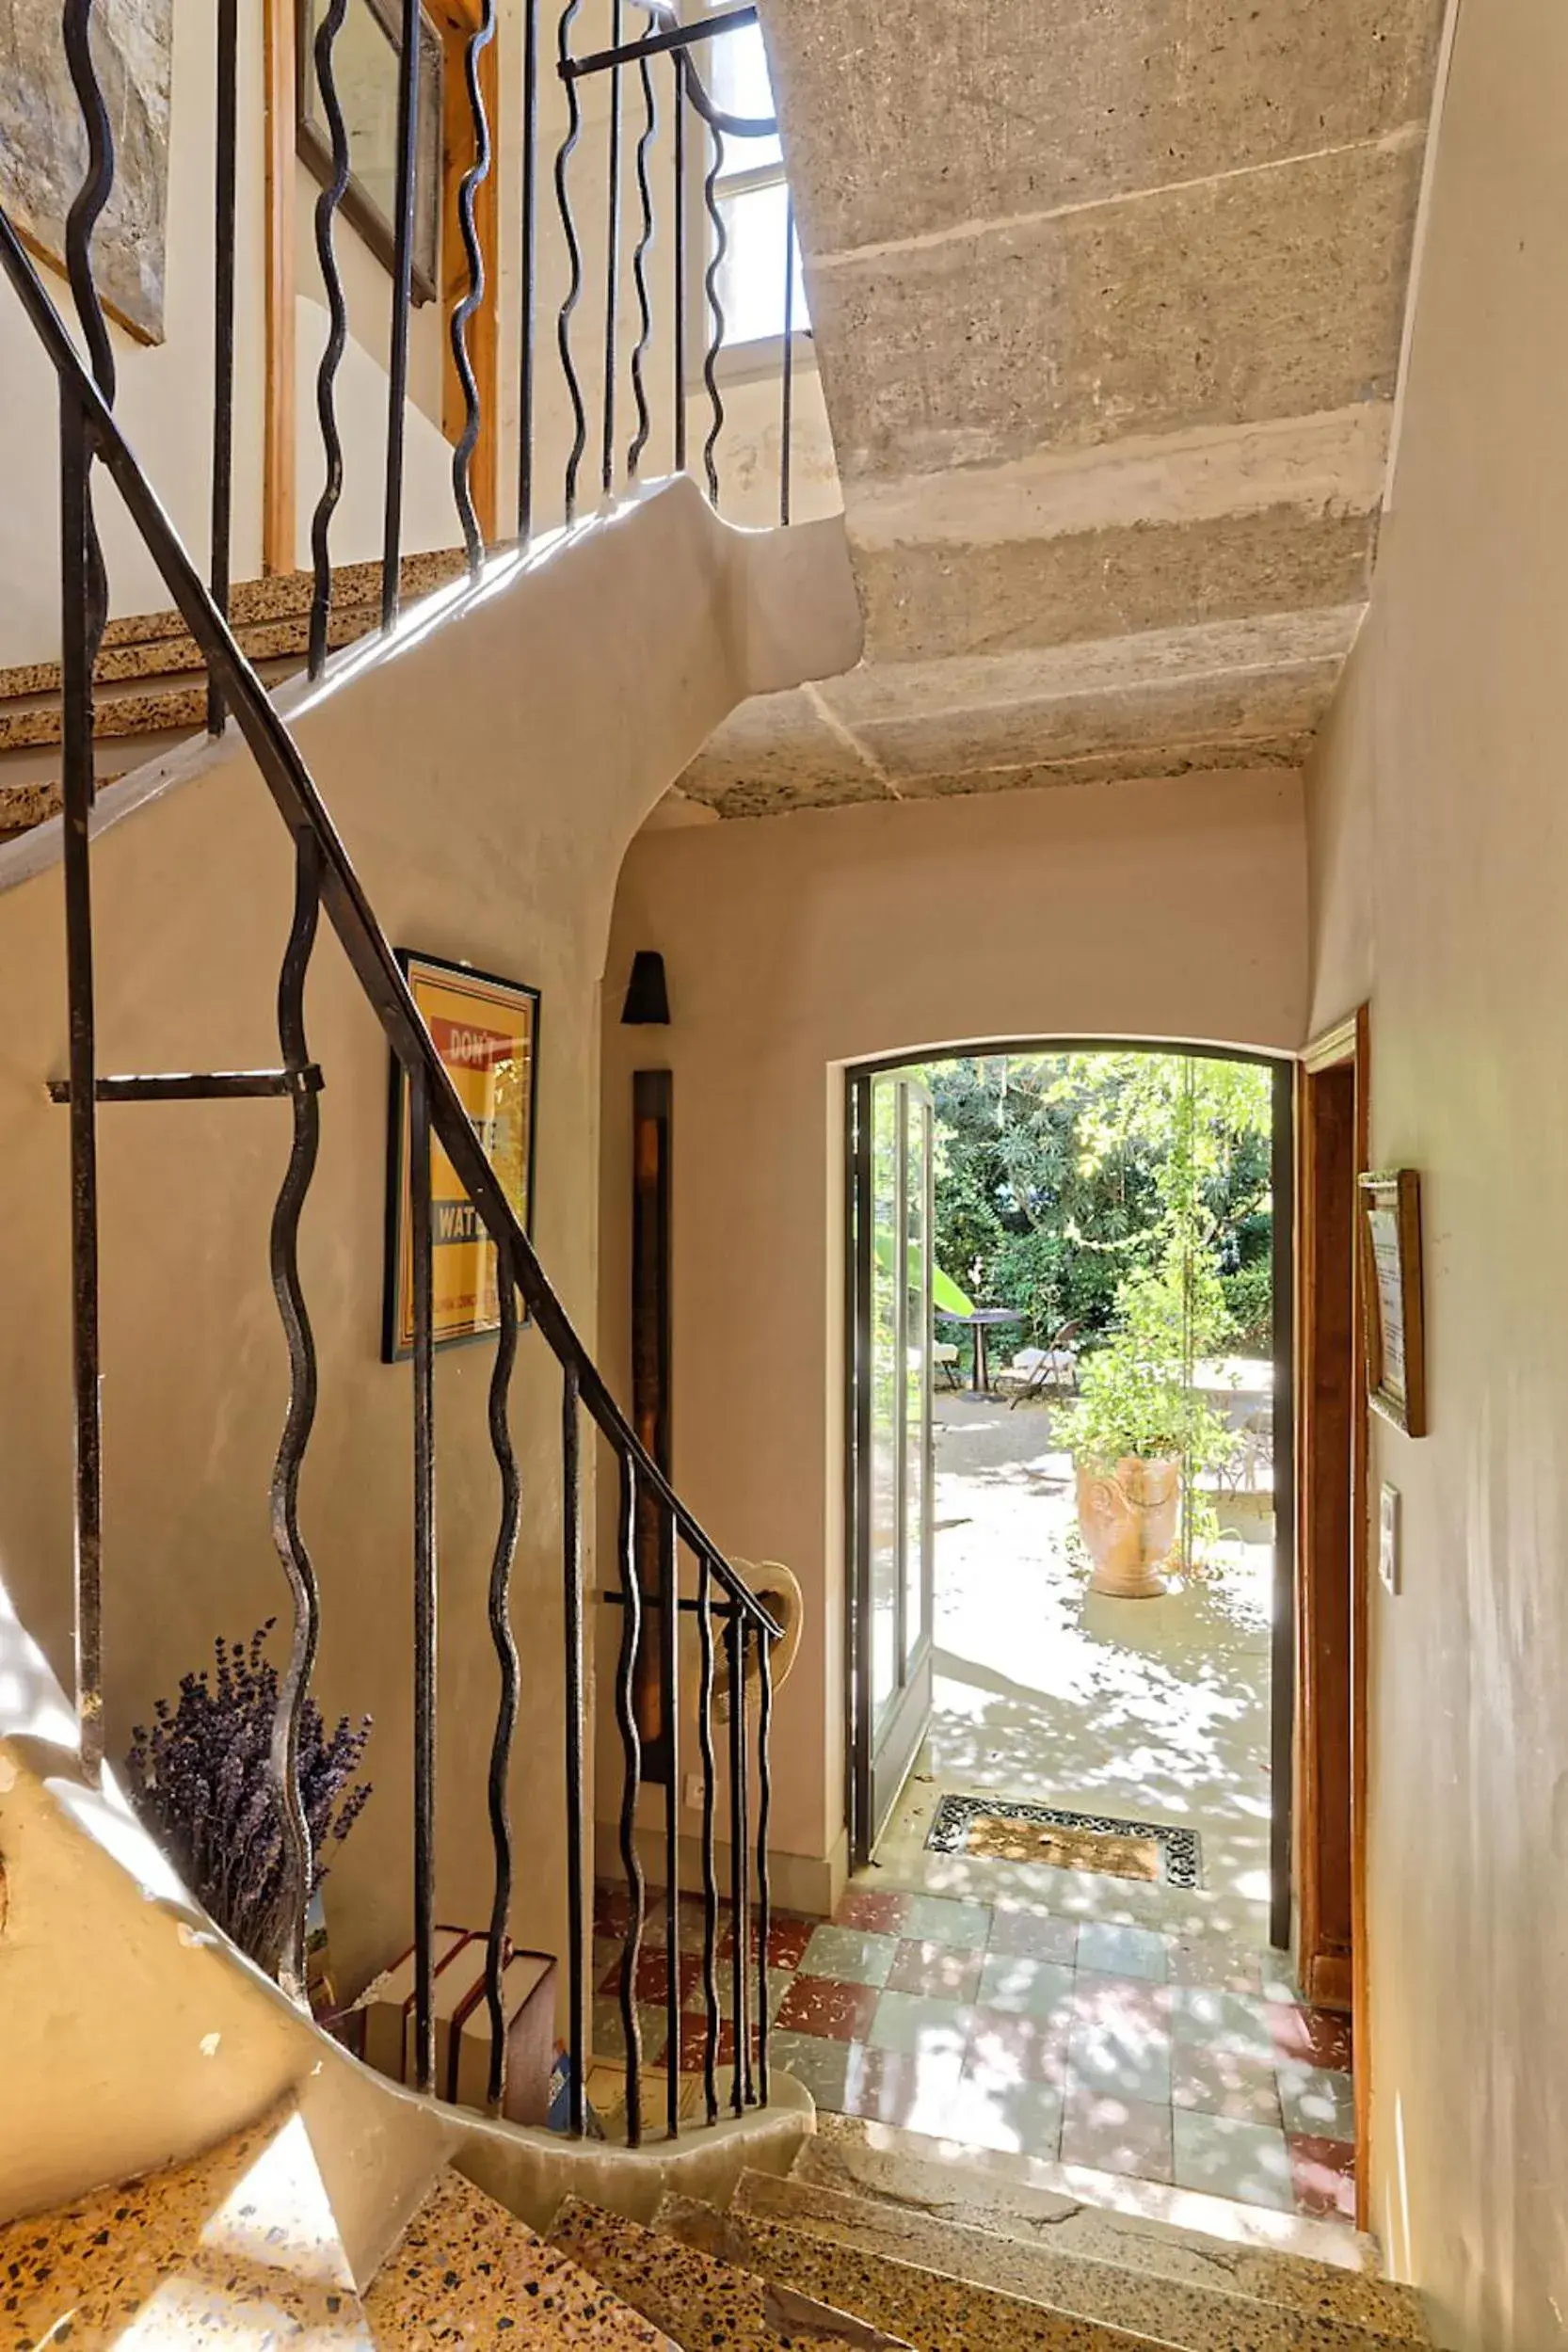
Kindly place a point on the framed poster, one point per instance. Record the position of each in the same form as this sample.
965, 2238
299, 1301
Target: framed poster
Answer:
1391, 1287
486, 1032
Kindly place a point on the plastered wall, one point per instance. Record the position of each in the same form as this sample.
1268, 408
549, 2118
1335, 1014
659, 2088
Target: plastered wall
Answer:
796, 945
487, 776
1440, 869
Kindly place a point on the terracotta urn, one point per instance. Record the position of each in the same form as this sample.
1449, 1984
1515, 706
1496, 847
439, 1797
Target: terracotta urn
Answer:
1128, 1517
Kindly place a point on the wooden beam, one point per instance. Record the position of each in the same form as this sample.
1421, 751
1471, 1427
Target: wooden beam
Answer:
457, 19
278, 461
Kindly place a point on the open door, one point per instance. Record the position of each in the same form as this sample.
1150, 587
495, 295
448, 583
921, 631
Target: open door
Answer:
1333, 1513
892, 1218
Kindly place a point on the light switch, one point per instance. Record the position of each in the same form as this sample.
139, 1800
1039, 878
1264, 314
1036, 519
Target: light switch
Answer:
1388, 1538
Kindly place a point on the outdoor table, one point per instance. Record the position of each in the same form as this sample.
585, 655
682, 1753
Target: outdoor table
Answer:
980, 1320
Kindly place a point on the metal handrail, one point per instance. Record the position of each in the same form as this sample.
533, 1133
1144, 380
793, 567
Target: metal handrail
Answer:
364, 943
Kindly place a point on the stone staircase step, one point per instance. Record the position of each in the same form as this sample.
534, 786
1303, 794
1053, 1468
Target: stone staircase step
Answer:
698, 2301
179, 656
236, 2247
466, 2272
1168, 2309
271, 619
927, 2309
286, 595
162, 710
23, 805
903, 2168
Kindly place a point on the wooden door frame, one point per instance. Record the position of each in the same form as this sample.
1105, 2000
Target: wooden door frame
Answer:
1330, 1978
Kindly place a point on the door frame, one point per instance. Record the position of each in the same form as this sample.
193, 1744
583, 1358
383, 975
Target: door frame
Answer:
909, 1718
1282, 1693
1328, 1977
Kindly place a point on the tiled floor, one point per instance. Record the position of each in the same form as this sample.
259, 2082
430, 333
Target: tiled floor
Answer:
1102, 2044
1139, 2029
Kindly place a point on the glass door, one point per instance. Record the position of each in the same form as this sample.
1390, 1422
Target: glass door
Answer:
892, 1489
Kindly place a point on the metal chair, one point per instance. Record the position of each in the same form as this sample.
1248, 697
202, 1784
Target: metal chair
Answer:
1048, 1373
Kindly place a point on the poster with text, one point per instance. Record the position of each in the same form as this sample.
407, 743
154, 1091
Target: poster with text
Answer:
486, 1031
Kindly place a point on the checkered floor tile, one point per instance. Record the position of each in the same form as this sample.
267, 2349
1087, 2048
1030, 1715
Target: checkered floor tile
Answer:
1011, 2028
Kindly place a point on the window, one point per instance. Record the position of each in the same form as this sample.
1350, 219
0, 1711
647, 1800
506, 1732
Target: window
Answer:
753, 198
365, 68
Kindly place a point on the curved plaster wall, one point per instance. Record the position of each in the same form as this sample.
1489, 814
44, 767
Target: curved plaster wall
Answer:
797, 945
487, 769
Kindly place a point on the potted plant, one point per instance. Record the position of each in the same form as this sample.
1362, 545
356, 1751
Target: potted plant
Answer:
200, 1778
1138, 1429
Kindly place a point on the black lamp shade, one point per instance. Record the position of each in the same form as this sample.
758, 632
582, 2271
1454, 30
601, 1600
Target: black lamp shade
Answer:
647, 996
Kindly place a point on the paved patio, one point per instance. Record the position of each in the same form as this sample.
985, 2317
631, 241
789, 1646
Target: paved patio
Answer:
1157, 1709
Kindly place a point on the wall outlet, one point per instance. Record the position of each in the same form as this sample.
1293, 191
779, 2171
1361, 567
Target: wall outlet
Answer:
1388, 1538
691, 1792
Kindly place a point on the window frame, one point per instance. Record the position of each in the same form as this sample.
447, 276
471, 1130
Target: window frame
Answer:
760, 355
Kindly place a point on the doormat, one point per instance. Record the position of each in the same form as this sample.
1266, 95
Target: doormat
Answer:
995, 1830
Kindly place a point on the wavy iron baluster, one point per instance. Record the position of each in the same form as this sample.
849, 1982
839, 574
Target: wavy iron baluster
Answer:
326, 207
83, 606
612, 270
669, 1718
626, 1717
577, 1833
424, 1582
86, 206
226, 129
574, 257
739, 1898
764, 1891
297, 1858
473, 180
76, 640
404, 209
87, 209
526, 327
677, 338
711, 280
710, 1806
639, 273
497, 1951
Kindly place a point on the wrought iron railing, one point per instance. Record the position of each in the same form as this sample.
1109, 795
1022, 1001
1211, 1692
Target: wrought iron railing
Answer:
689, 124
326, 881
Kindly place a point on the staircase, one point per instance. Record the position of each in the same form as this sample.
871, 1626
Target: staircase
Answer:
874, 2239
151, 678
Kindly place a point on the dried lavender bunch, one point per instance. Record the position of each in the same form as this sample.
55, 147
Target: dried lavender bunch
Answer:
200, 1779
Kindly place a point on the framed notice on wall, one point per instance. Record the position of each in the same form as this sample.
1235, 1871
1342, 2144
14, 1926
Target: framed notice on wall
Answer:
486, 1032
1391, 1287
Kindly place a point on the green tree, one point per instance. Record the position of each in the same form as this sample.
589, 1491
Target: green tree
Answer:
1056, 1175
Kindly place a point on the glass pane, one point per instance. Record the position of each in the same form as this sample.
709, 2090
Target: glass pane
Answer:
736, 72
751, 275
917, 1371
365, 67
884, 1376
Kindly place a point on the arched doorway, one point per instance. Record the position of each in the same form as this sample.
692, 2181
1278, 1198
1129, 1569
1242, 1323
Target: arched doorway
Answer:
1080, 1802
1016, 1349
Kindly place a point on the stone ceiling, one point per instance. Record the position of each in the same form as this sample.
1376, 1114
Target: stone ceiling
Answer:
1108, 298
